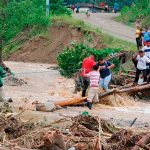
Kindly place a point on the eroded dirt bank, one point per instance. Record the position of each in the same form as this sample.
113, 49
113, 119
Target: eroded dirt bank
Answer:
45, 49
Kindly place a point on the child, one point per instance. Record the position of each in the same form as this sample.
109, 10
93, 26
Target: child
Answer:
88, 13
94, 86
142, 60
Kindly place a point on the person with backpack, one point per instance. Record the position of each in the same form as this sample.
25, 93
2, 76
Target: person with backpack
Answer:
105, 73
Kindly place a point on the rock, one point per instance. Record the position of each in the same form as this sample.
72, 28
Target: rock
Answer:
10, 100
45, 107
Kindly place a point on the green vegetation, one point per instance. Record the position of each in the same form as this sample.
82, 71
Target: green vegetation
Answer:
108, 40
139, 10
71, 58
21, 15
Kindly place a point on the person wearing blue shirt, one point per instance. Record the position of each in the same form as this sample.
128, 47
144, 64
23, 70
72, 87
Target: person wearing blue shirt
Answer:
146, 36
116, 7
105, 73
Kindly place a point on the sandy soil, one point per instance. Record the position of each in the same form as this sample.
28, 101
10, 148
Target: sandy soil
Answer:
44, 84
108, 25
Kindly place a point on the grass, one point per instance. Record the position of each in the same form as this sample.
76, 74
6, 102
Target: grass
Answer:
111, 41
120, 19
14, 44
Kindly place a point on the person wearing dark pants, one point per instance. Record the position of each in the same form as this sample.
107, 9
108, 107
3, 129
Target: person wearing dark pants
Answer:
138, 35
138, 72
139, 42
142, 61
148, 74
146, 49
85, 84
87, 66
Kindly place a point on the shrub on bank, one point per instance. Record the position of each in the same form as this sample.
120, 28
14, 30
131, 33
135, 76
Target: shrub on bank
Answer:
70, 60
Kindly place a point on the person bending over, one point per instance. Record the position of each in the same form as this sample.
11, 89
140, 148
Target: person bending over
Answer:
105, 73
87, 66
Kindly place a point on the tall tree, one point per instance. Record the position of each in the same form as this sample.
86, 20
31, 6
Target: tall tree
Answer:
3, 4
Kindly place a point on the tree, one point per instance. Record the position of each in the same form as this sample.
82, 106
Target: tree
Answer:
3, 4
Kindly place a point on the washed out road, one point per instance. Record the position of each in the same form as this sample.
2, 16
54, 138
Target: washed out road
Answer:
106, 22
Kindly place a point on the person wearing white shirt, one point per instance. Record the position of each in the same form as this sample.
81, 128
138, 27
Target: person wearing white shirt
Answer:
142, 60
146, 49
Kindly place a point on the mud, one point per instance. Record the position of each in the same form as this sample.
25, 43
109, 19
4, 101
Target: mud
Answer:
48, 85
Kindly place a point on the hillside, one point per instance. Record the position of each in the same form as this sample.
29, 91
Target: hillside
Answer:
44, 46
45, 49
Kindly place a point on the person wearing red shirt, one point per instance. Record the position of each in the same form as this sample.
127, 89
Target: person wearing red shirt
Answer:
87, 66
102, 5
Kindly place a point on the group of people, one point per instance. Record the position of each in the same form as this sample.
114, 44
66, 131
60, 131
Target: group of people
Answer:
107, 8
142, 35
95, 75
142, 64
142, 59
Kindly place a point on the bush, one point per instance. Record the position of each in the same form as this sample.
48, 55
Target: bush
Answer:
56, 8
70, 60
139, 10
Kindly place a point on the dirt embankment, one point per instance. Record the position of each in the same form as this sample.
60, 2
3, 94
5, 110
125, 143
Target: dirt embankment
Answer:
45, 50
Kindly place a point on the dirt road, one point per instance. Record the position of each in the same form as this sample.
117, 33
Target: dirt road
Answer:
44, 85
106, 22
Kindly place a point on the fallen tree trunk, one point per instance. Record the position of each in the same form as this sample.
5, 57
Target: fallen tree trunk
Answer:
125, 90
134, 88
104, 94
142, 143
71, 101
